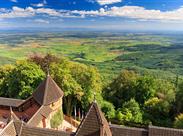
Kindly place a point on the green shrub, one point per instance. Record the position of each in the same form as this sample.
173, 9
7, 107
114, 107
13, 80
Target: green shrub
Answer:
57, 119
130, 112
108, 109
179, 121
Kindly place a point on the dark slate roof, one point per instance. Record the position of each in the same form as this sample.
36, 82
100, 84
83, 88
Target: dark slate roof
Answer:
127, 131
47, 92
10, 102
94, 124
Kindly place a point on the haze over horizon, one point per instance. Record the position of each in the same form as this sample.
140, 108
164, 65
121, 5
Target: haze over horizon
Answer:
114, 15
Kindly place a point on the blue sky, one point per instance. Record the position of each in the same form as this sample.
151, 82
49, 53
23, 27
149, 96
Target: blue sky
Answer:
92, 14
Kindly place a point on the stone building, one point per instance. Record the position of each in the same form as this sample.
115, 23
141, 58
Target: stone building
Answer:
37, 110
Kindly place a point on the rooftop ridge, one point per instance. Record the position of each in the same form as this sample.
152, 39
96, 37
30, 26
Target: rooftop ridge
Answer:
10, 102
47, 92
94, 123
13, 116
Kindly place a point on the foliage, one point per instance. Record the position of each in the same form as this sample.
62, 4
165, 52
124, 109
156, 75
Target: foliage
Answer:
130, 112
57, 119
89, 79
4, 72
179, 98
153, 95
165, 90
152, 102
145, 89
72, 90
44, 61
108, 110
78, 81
178, 123
157, 112
122, 88
129, 85
22, 80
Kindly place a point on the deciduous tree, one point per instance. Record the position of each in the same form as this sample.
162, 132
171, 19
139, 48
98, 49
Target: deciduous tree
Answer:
22, 80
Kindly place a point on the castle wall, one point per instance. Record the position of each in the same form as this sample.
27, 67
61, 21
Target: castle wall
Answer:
55, 108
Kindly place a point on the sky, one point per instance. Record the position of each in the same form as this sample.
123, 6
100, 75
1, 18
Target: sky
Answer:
92, 14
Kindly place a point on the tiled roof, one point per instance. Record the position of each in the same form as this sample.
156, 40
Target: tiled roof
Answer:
33, 131
161, 131
10, 102
127, 131
94, 124
43, 111
47, 92
150, 131
9, 130
17, 128
12, 116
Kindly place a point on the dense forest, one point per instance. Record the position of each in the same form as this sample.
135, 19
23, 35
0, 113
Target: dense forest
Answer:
131, 98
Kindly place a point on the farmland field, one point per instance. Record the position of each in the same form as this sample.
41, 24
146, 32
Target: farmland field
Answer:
159, 54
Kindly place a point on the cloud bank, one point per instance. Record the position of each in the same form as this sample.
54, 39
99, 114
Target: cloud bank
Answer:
17, 12
134, 12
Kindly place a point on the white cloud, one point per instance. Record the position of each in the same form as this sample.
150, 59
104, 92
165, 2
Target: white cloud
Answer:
14, 1
17, 12
136, 12
47, 11
142, 13
40, 4
41, 21
3, 10
106, 2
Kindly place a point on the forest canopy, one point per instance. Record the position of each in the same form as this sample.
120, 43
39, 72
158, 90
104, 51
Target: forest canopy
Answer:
130, 99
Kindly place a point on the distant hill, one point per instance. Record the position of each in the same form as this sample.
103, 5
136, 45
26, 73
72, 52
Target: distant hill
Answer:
156, 53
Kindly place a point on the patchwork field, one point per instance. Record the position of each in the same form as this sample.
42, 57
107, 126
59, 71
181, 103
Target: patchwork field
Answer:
159, 54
